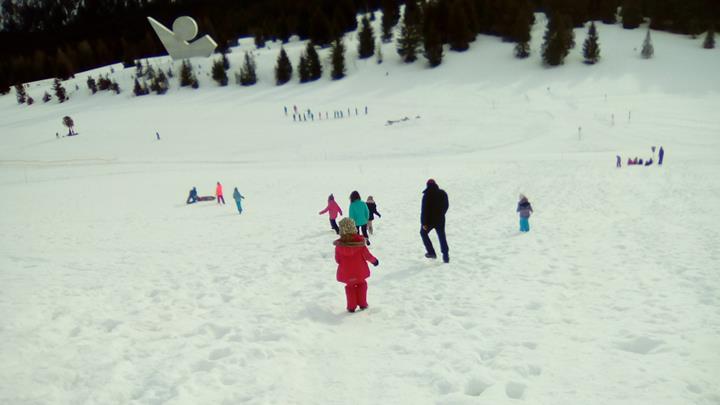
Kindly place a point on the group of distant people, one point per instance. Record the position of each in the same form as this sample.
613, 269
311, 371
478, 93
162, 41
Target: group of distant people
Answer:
351, 248
639, 161
193, 197
310, 115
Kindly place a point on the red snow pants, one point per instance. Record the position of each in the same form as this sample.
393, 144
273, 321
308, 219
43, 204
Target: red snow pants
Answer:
356, 294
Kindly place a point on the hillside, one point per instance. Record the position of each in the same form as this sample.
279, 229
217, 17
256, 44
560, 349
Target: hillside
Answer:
114, 291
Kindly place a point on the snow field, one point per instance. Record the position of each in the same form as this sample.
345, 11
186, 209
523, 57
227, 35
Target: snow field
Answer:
113, 291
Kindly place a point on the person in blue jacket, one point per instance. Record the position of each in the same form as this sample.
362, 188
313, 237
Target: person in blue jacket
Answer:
360, 213
238, 200
192, 197
524, 209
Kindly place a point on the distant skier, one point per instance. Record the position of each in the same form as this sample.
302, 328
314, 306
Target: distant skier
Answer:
238, 200
157, 134
661, 154
524, 209
372, 207
219, 193
432, 216
360, 213
618, 163
192, 197
352, 256
649, 162
333, 210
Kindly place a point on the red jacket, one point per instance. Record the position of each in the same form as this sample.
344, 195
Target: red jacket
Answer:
352, 258
333, 208
218, 189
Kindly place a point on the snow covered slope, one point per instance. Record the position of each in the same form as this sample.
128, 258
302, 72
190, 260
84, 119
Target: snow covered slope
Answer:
113, 291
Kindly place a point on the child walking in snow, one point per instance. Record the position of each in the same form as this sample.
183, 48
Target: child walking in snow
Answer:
219, 193
524, 209
359, 213
352, 256
372, 207
238, 199
333, 209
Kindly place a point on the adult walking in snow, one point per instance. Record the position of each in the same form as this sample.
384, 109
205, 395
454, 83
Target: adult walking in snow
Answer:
524, 209
238, 200
333, 210
432, 216
661, 154
618, 161
219, 193
359, 213
352, 256
372, 207
192, 197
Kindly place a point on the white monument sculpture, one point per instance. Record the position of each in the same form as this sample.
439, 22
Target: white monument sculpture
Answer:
176, 41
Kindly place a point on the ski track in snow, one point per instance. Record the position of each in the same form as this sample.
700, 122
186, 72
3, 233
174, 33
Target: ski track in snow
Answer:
113, 291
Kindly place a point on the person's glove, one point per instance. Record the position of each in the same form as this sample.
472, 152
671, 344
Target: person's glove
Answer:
376, 262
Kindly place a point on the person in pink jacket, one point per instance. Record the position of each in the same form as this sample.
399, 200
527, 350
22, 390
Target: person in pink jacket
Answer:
219, 193
333, 209
352, 255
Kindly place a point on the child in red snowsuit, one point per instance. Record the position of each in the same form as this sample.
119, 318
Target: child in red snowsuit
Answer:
352, 255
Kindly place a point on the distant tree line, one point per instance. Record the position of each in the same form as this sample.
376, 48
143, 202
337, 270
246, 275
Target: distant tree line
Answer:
57, 38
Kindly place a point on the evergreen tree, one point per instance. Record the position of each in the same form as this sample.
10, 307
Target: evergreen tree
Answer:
366, 47
46, 97
313, 62
218, 72
30, 100
390, 18
115, 87
520, 30
159, 84
709, 42
591, 48
320, 30
459, 34
248, 77
92, 85
103, 83
138, 89
522, 50
186, 74
139, 70
631, 14
225, 60
606, 11
378, 53
20, 93
149, 72
432, 43
59, 91
303, 69
559, 38
337, 55
647, 49
259, 39
283, 68
410, 35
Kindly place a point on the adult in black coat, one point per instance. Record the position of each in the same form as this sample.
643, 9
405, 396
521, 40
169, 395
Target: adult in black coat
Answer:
432, 216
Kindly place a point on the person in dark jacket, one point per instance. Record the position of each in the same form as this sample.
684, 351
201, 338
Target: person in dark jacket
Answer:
192, 197
372, 207
524, 209
432, 216
661, 155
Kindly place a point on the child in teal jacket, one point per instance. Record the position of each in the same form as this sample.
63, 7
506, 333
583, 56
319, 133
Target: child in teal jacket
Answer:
359, 213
